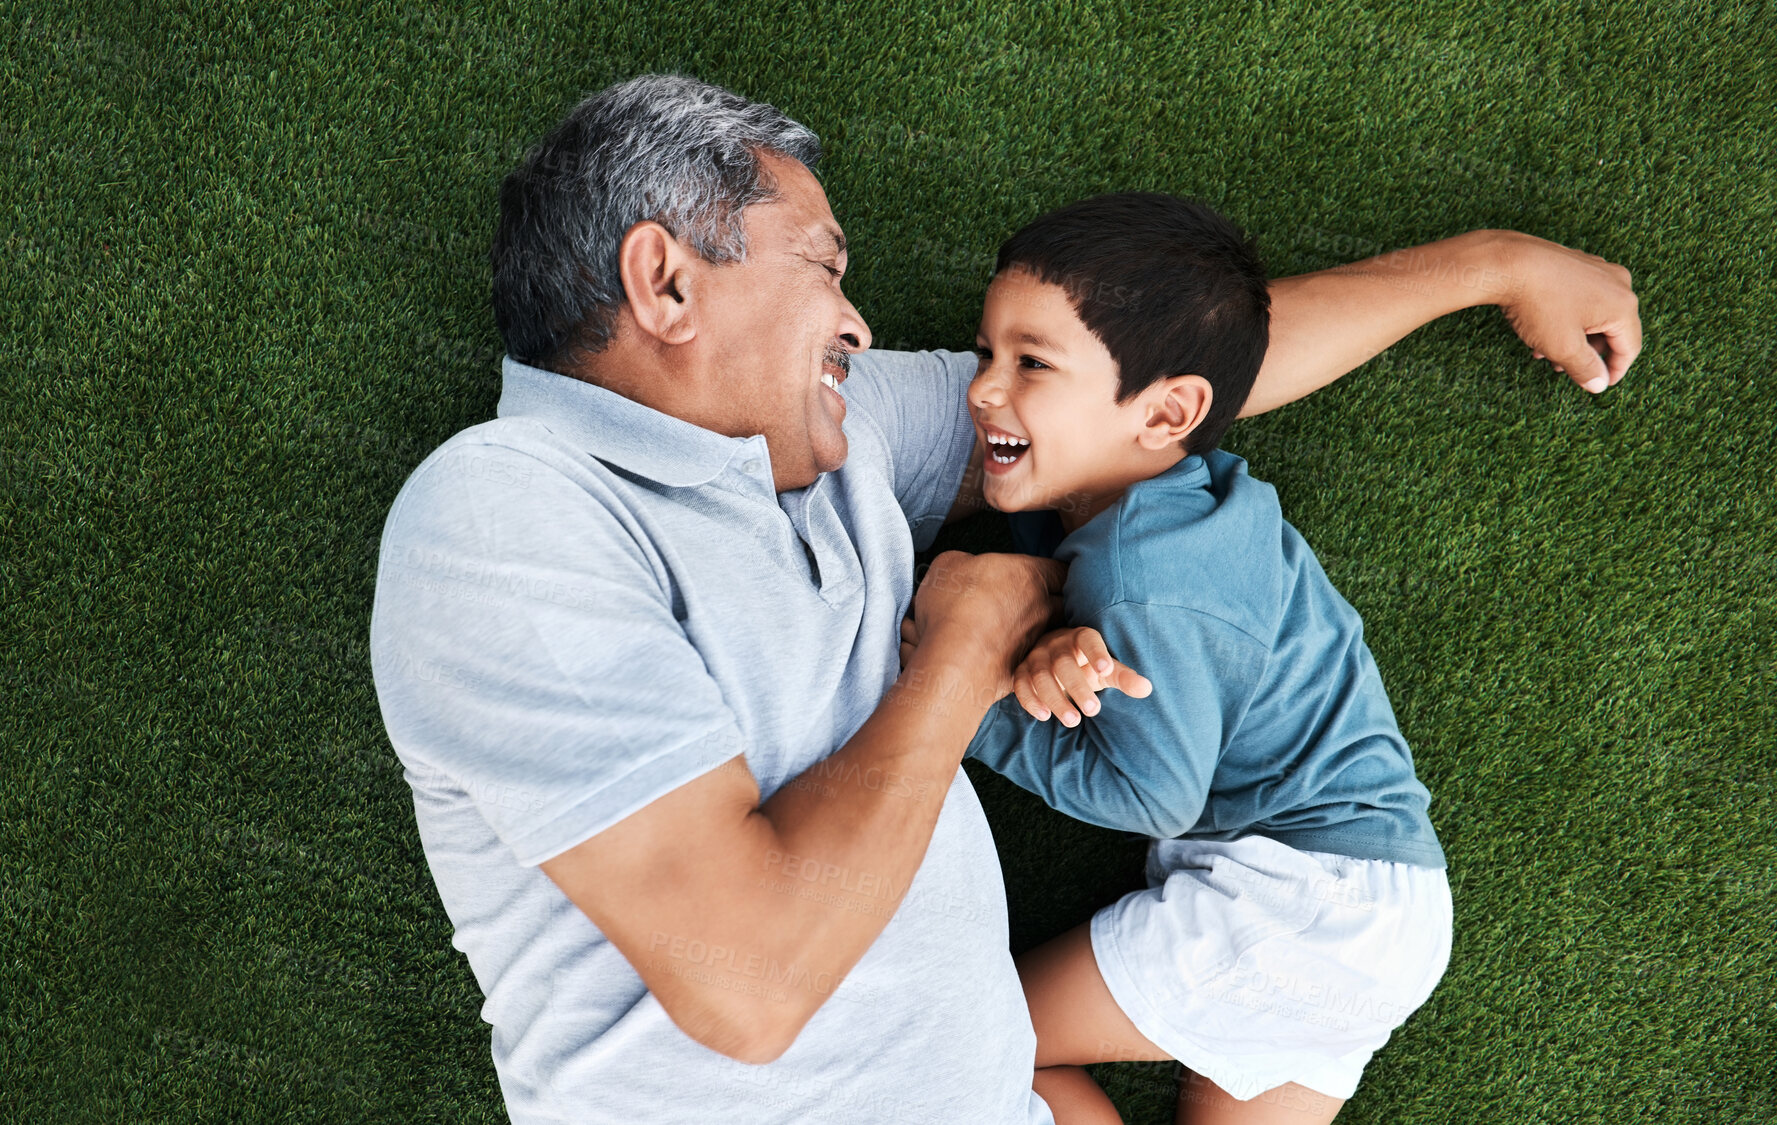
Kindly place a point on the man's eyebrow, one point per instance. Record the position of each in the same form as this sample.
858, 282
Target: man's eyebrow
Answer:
837, 235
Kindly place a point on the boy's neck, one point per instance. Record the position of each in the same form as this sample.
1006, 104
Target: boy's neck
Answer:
1079, 515
1076, 517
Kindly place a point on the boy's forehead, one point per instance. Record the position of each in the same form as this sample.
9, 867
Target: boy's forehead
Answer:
1036, 310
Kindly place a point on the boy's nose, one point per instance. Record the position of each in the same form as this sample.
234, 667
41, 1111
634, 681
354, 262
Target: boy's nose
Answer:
986, 390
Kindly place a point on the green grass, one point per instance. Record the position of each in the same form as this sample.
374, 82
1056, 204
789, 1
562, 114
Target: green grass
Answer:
245, 292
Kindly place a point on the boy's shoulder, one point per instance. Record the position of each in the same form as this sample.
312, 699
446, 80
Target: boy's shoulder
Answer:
1205, 535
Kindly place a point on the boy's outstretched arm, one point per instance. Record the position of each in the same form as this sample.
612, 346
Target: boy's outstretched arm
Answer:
1575, 308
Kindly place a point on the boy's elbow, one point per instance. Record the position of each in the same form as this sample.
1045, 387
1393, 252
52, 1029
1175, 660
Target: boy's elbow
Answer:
1162, 829
1159, 822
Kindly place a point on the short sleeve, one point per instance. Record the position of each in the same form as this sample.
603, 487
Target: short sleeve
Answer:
1139, 765
525, 651
919, 400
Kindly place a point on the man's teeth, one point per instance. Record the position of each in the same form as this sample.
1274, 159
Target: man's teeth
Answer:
829, 380
1016, 444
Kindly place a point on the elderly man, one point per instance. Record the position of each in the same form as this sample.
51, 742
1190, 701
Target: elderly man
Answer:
706, 844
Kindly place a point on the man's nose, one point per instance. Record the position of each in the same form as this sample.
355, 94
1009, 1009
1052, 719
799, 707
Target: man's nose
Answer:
853, 330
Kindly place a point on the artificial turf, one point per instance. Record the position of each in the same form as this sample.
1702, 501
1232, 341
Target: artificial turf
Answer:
245, 292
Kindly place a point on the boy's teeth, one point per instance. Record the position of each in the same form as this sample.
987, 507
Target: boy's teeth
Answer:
1015, 448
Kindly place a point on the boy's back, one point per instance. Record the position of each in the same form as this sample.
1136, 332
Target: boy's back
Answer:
1268, 715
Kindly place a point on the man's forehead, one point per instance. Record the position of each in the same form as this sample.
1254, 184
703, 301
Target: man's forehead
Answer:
803, 203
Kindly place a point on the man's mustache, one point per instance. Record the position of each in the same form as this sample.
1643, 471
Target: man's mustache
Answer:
839, 357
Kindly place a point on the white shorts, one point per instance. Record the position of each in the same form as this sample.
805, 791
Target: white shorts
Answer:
1256, 964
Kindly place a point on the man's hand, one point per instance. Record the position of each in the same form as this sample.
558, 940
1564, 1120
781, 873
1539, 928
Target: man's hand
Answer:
909, 637
1070, 667
1574, 308
999, 602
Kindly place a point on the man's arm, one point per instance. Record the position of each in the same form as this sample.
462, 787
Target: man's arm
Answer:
1576, 308
707, 867
1573, 307
969, 498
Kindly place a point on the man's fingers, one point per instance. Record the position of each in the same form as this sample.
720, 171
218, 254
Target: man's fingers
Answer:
1583, 365
1055, 608
1053, 574
1623, 344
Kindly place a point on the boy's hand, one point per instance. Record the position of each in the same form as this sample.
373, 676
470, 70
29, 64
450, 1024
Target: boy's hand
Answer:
1069, 667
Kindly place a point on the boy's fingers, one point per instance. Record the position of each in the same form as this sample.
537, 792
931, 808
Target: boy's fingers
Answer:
1027, 698
1081, 684
1130, 682
1091, 646
1049, 693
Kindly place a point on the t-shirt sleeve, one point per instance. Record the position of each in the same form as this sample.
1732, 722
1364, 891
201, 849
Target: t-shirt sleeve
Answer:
525, 651
919, 400
1139, 765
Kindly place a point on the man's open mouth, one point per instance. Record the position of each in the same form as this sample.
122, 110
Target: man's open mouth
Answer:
835, 366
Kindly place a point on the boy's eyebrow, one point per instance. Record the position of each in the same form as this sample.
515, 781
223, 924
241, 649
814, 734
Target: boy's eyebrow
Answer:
1036, 341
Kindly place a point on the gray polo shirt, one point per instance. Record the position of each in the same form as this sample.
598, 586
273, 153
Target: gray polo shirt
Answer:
584, 604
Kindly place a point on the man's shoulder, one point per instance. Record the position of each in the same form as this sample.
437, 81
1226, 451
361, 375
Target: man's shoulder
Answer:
510, 491
520, 461
890, 385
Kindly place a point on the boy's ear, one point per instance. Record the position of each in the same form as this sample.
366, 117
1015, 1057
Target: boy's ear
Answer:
657, 273
1178, 406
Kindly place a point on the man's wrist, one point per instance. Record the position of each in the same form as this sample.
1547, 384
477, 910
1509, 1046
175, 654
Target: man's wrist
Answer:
1499, 254
951, 669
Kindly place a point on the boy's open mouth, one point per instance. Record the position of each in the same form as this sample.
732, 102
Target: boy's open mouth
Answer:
1005, 449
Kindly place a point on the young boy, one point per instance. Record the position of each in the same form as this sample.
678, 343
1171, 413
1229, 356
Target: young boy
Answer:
1297, 909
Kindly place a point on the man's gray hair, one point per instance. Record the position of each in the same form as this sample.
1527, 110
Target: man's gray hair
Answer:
660, 147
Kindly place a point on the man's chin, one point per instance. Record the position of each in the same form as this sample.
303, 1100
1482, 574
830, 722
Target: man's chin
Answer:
830, 456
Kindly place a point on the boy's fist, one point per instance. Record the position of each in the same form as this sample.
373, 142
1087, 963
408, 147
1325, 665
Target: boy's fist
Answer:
1068, 668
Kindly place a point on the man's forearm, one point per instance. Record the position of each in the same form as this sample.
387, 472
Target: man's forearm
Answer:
868, 809
836, 847
1326, 323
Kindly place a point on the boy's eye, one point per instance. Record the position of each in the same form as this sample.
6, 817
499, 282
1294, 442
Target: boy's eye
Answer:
1034, 362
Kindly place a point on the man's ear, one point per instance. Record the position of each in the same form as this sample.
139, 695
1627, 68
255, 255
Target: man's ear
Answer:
1179, 405
657, 282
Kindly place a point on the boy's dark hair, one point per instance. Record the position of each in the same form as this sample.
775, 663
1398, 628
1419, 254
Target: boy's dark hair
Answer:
1169, 286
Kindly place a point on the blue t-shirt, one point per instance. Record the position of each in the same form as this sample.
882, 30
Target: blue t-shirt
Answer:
1267, 717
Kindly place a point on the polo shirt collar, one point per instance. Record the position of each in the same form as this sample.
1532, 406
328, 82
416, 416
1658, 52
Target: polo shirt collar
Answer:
619, 430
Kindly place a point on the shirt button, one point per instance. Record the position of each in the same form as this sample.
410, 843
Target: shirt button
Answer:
751, 466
